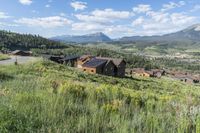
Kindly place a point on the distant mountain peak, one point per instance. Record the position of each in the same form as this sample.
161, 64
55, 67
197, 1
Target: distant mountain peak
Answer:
94, 37
195, 27
97, 34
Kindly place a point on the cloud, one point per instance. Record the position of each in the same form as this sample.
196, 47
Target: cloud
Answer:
104, 16
138, 21
154, 23
172, 5
158, 16
3, 15
3, 24
87, 26
107, 29
26, 2
47, 6
124, 30
181, 19
195, 8
46, 22
102, 21
142, 8
78, 5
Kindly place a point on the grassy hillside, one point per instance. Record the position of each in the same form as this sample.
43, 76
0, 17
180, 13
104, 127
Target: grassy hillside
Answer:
47, 97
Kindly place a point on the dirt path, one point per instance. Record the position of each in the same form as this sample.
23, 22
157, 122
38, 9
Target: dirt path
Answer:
20, 60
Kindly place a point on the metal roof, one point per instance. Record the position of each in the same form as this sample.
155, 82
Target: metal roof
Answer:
117, 62
94, 63
70, 58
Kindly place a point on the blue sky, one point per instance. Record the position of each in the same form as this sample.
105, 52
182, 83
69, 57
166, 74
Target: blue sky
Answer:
115, 18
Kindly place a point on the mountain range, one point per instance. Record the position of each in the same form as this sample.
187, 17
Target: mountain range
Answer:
191, 33
96, 37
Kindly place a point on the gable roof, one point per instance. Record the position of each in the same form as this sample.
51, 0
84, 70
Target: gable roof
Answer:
85, 56
16, 51
117, 62
94, 63
70, 58
21, 51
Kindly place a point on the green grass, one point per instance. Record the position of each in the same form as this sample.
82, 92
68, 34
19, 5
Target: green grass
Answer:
47, 97
4, 57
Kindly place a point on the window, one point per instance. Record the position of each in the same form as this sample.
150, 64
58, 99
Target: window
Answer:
92, 71
84, 70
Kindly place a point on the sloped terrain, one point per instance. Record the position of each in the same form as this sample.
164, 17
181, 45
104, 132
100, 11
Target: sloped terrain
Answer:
47, 97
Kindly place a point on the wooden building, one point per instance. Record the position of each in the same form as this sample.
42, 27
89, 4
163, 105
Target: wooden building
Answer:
120, 66
156, 73
70, 60
94, 66
185, 78
105, 66
21, 53
55, 58
140, 72
83, 59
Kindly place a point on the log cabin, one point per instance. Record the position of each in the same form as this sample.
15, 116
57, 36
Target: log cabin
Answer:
102, 65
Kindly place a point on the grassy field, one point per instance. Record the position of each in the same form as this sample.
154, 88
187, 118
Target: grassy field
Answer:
47, 97
4, 57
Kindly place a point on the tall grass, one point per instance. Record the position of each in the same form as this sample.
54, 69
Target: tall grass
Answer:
4, 57
46, 97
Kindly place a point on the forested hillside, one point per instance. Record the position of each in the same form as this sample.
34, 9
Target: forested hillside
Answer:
12, 41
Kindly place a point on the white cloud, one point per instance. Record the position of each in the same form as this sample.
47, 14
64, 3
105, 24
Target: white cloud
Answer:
115, 30
138, 21
110, 13
172, 5
111, 30
102, 21
181, 19
155, 23
3, 15
104, 16
78, 5
158, 16
87, 26
195, 8
26, 2
142, 8
46, 22
3, 24
47, 6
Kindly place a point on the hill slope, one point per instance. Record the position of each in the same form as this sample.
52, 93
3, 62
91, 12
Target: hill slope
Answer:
62, 99
11, 40
191, 33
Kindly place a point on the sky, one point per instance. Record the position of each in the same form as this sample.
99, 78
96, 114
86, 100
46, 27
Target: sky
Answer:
115, 18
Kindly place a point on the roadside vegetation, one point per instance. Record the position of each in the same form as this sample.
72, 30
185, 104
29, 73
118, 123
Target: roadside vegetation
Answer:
4, 57
48, 97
